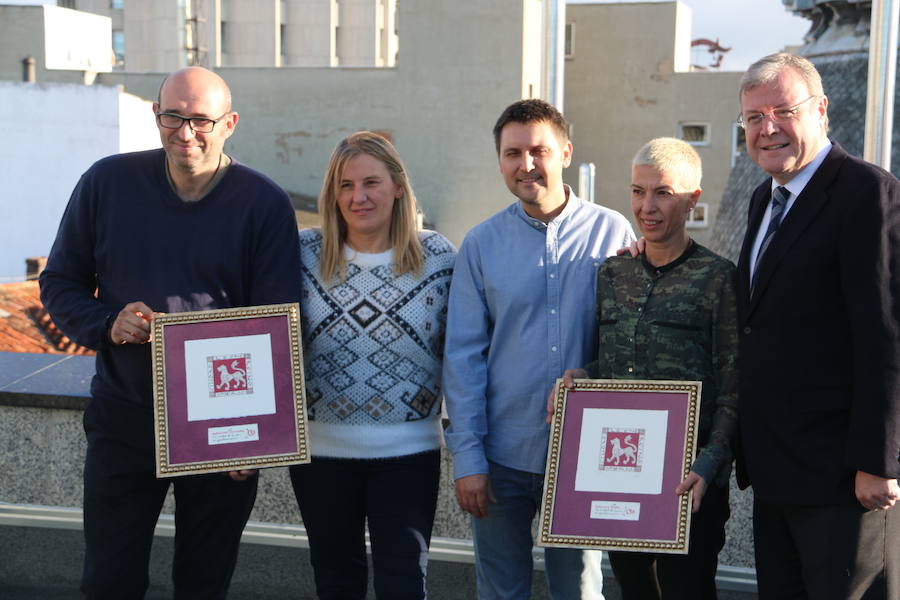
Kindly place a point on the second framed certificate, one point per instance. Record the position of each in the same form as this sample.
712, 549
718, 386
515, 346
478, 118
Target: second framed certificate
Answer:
228, 390
618, 449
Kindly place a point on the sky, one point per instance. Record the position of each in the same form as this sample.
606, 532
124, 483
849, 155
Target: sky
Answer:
752, 28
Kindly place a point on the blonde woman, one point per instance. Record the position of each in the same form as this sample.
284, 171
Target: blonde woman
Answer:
374, 304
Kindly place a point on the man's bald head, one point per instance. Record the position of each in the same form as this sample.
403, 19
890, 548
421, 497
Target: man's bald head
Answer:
196, 80
196, 96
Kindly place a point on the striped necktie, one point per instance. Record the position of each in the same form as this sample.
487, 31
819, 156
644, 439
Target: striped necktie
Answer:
779, 201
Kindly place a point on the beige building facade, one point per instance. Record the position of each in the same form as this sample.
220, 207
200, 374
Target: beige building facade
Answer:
438, 103
460, 65
164, 35
628, 80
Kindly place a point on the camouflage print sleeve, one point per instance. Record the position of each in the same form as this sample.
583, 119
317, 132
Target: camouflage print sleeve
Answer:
713, 463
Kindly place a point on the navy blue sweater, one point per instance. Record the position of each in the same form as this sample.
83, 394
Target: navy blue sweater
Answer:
127, 235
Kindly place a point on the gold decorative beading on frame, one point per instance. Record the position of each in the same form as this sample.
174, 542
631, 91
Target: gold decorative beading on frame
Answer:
679, 545
158, 325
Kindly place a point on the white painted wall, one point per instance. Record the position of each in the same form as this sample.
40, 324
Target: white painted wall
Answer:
137, 125
77, 41
52, 133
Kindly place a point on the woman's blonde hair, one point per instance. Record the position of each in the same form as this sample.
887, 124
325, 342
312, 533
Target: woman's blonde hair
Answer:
408, 255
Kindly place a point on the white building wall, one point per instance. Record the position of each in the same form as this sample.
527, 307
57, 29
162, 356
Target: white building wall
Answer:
682, 50
154, 36
309, 39
252, 37
137, 124
390, 41
357, 39
77, 41
532, 44
52, 134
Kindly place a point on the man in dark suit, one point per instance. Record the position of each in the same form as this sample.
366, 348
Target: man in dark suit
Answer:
818, 306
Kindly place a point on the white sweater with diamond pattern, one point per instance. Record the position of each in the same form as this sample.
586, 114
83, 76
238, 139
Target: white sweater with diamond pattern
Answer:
372, 351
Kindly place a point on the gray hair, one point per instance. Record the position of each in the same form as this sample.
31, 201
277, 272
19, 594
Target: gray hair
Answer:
767, 69
672, 156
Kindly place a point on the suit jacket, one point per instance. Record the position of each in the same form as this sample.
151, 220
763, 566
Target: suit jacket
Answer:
819, 349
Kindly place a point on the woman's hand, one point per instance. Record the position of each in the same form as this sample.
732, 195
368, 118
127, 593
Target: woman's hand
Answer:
569, 378
696, 483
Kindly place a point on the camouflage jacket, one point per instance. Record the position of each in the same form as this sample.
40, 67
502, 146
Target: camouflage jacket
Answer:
675, 322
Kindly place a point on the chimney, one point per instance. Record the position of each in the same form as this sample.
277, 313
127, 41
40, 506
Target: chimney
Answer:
34, 266
28, 71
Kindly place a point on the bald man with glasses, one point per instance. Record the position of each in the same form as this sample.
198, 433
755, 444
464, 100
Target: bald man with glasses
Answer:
181, 228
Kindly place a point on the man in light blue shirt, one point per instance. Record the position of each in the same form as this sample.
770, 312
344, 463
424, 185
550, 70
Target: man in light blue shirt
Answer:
521, 312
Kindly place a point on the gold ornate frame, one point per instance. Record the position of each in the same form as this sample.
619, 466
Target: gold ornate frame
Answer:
161, 408
677, 544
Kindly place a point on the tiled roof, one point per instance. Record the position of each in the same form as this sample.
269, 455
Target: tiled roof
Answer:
25, 325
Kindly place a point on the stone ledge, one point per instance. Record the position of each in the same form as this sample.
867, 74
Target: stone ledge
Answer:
52, 381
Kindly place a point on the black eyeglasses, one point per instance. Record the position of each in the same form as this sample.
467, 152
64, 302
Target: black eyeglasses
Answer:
197, 124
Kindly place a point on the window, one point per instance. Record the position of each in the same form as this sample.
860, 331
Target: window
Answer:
696, 134
117, 4
699, 217
223, 37
570, 39
118, 43
738, 142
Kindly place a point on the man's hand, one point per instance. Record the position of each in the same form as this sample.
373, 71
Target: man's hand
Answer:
242, 475
132, 324
696, 483
634, 249
569, 378
473, 493
876, 493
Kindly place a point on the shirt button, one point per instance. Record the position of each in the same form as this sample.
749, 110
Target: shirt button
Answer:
553, 348
640, 308
747, 330
552, 275
630, 370
552, 311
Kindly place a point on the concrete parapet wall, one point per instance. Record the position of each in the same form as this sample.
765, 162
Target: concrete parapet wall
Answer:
42, 450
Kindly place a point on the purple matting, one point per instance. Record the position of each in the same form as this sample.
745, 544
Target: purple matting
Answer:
187, 440
659, 512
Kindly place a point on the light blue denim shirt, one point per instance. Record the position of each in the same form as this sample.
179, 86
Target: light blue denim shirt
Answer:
521, 312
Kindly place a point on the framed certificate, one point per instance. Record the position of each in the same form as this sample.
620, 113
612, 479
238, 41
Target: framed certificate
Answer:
618, 449
228, 390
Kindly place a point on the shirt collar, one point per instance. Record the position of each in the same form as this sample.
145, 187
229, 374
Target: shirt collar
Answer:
796, 185
571, 206
688, 252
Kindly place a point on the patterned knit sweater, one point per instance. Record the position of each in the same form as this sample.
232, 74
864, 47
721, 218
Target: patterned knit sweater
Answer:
372, 351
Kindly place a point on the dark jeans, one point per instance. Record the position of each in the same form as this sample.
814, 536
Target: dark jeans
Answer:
398, 497
677, 576
122, 500
826, 552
